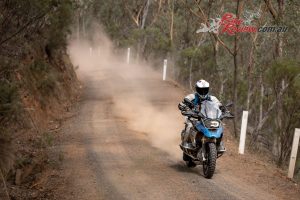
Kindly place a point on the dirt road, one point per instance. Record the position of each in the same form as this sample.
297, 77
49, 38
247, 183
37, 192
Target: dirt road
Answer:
124, 143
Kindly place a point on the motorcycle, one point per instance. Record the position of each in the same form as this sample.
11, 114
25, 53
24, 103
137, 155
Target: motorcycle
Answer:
205, 135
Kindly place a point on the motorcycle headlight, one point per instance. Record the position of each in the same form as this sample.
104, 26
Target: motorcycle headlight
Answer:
212, 124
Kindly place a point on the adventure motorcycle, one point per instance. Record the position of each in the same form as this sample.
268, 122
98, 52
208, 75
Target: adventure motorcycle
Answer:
205, 136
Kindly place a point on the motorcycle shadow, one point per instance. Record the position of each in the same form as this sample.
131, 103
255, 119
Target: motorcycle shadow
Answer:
181, 167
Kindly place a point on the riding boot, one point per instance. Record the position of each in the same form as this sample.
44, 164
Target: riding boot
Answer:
186, 140
221, 148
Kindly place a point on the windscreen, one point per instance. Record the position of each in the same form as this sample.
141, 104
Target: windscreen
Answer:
210, 110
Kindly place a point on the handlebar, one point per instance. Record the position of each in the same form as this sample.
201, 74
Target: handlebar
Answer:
190, 113
228, 115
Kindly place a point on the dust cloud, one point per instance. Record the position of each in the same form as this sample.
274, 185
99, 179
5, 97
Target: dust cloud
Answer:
138, 94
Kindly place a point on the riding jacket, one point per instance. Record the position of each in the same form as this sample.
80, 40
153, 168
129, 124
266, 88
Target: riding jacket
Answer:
196, 100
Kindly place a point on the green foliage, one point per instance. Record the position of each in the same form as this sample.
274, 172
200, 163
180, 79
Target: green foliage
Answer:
47, 84
242, 92
286, 70
285, 73
39, 66
111, 15
59, 25
201, 62
45, 140
8, 99
157, 42
191, 52
45, 77
29, 30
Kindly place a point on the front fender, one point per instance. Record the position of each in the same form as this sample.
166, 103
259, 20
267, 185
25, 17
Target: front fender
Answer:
210, 133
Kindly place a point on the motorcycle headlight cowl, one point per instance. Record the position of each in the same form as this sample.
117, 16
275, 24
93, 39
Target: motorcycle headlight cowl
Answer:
212, 123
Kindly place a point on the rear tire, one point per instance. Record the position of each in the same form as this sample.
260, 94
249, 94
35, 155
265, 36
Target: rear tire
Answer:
209, 165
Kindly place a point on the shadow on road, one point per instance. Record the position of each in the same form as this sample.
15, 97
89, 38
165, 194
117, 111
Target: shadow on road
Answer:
181, 167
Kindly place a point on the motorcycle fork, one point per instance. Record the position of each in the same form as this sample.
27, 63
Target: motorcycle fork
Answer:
203, 148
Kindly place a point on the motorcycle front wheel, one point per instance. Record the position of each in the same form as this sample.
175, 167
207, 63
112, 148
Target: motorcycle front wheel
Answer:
209, 165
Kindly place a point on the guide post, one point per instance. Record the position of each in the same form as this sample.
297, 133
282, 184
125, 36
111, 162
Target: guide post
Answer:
243, 132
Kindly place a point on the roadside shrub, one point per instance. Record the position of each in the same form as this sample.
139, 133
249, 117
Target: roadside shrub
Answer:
45, 78
8, 100
8, 108
45, 140
47, 84
39, 66
6, 152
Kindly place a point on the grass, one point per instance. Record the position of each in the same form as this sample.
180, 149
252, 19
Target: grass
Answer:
46, 140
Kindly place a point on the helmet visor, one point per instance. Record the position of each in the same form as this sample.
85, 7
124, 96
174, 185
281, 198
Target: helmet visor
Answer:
202, 91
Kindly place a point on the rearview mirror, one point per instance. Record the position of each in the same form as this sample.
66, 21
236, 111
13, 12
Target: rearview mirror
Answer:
201, 115
188, 102
229, 104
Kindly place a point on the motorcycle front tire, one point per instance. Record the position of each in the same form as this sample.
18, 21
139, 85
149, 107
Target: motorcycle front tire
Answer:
209, 165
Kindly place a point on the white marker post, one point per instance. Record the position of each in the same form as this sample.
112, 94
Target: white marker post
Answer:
91, 51
243, 132
165, 69
294, 153
128, 55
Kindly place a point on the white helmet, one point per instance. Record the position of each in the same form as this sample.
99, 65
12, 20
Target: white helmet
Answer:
202, 88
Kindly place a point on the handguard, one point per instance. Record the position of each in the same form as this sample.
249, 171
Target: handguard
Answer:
182, 106
222, 108
188, 103
190, 113
227, 114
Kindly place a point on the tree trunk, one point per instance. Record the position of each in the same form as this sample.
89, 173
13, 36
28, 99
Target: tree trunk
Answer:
191, 75
78, 25
259, 126
235, 75
142, 41
250, 69
220, 71
279, 105
235, 93
172, 22
145, 14
261, 99
83, 27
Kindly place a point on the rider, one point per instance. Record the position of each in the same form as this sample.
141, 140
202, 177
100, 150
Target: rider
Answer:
201, 94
